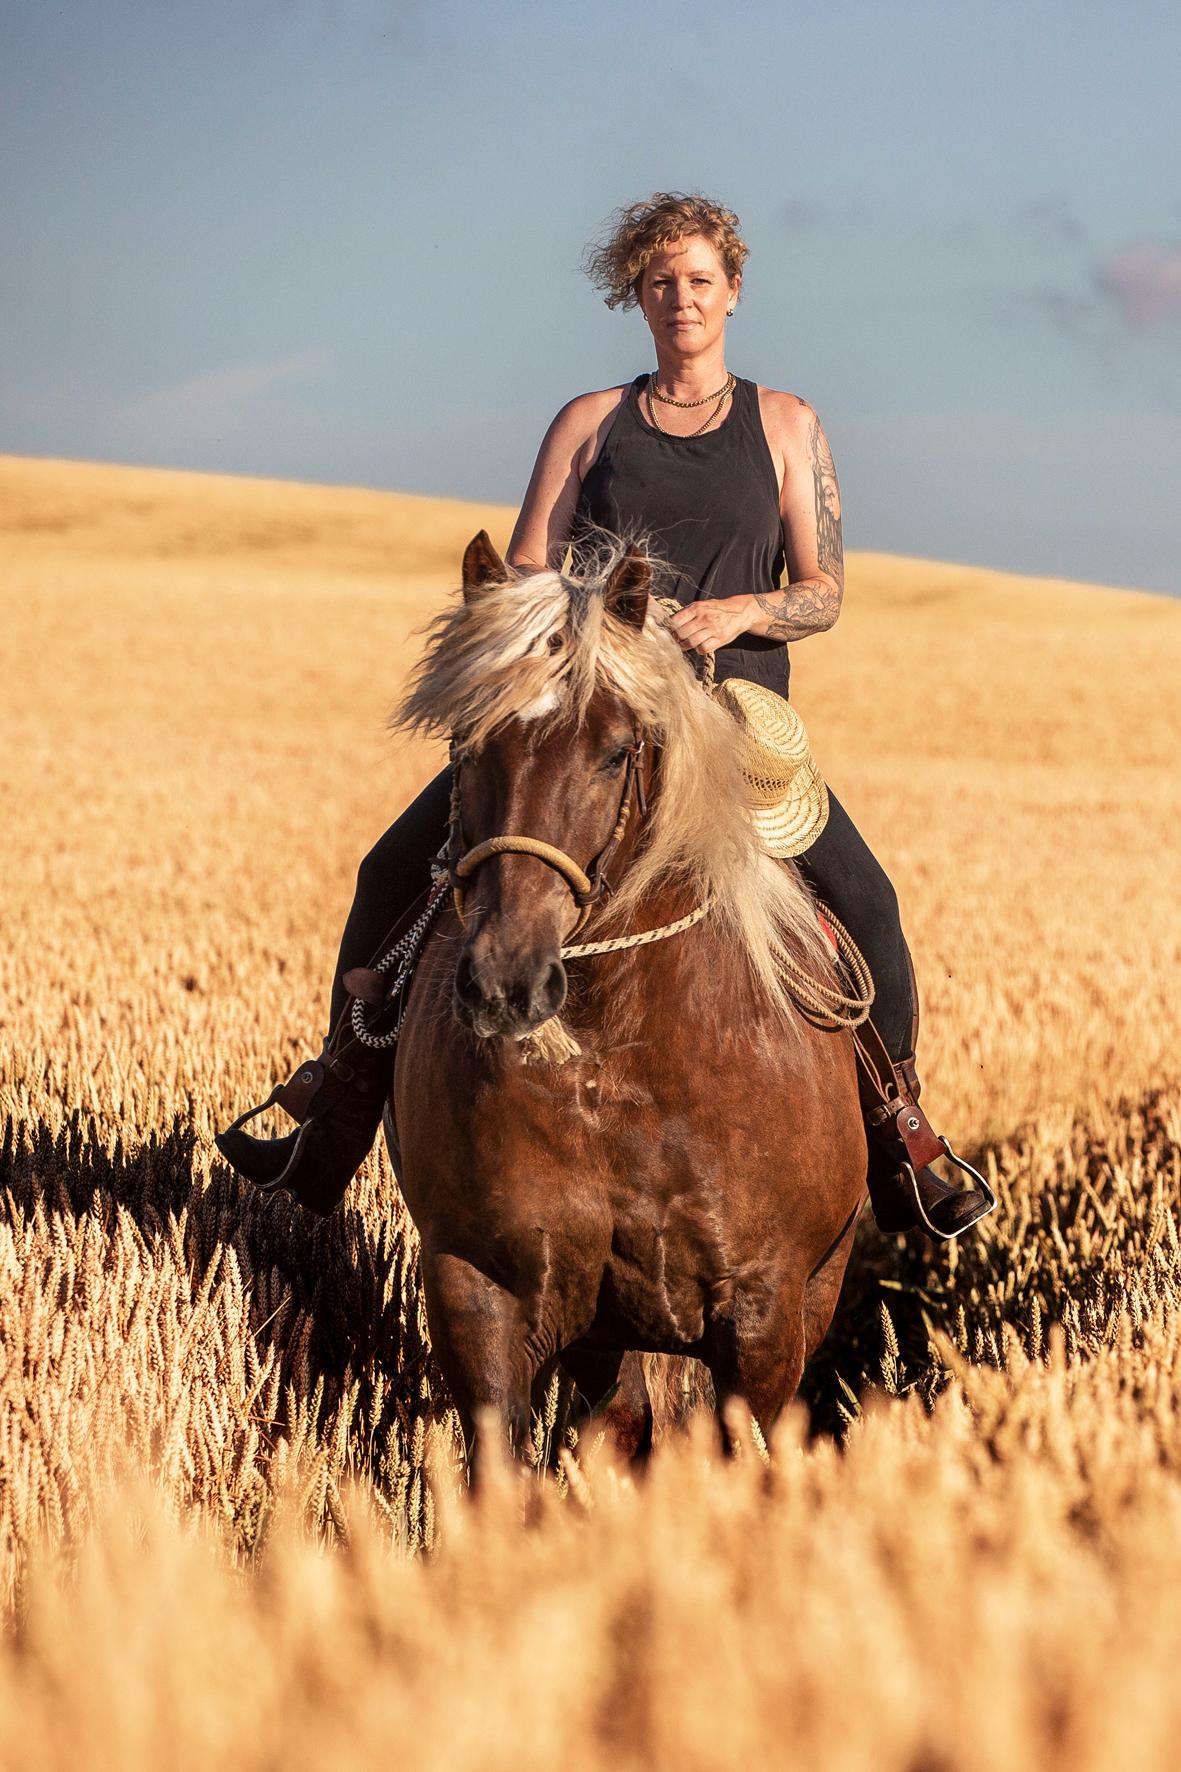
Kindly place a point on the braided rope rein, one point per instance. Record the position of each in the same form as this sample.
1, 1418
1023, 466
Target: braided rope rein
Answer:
404, 955
702, 664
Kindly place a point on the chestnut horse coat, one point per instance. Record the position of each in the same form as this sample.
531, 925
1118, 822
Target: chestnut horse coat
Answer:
687, 1185
688, 1182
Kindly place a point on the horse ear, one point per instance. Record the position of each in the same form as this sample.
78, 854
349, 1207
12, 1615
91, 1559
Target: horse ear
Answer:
482, 566
626, 596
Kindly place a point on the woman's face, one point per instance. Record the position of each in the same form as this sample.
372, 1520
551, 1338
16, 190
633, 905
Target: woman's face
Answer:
685, 294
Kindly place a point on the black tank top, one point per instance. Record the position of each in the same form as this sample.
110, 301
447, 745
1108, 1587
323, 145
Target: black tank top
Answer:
708, 505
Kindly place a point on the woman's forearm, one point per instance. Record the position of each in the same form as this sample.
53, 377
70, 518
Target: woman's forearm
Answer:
792, 612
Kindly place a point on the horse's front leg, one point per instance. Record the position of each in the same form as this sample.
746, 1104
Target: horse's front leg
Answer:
756, 1351
485, 1346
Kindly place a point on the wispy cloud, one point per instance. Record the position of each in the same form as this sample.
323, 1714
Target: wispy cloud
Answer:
1144, 284
207, 407
1113, 303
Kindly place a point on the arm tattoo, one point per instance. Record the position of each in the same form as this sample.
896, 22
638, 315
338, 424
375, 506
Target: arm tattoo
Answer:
814, 603
798, 610
829, 552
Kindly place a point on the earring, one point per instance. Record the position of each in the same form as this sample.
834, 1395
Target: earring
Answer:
729, 313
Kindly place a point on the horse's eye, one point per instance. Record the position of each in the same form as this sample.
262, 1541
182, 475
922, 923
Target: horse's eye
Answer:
617, 758
554, 642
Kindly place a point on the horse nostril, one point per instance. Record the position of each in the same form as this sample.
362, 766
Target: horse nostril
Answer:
465, 981
550, 991
508, 996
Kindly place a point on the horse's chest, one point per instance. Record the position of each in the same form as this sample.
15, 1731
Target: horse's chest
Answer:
641, 1194
669, 1269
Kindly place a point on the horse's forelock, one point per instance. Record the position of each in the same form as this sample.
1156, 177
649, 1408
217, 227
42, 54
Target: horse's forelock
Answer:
541, 641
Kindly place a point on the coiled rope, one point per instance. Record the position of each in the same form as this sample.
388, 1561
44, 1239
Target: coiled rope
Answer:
828, 1006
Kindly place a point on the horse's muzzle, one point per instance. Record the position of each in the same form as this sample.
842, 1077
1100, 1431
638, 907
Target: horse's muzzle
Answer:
507, 994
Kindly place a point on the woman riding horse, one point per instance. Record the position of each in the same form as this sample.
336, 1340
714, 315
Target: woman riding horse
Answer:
733, 484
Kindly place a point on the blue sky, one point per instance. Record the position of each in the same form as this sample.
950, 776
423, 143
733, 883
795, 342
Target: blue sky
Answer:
339, 240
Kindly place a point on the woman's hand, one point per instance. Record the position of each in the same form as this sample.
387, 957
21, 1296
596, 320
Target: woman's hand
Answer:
714, 622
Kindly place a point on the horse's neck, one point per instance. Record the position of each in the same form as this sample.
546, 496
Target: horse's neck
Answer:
674, 983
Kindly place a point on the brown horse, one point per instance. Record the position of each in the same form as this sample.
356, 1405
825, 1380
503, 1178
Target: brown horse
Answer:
685, 1180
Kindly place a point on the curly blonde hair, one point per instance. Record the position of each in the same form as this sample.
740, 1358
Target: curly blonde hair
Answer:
616, 264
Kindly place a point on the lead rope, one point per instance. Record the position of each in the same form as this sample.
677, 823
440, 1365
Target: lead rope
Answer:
583, 950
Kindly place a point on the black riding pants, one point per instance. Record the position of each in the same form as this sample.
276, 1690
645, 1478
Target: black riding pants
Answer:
839, 867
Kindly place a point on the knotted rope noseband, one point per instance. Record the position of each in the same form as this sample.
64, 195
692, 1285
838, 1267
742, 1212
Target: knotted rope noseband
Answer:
580, 884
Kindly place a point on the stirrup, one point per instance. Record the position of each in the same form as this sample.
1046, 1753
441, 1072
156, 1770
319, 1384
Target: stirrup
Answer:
269, 1187
908, 1175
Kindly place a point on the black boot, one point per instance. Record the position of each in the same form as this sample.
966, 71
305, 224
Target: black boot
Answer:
339, 1098
905, 1193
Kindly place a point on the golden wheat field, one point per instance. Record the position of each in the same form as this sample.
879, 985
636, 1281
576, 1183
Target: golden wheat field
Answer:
232, 1529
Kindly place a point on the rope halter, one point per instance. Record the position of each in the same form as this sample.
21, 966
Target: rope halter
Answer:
586, 887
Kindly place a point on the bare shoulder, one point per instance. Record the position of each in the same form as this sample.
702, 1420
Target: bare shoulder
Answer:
600, 401
567, 450
583, 422
788, 419
586, 411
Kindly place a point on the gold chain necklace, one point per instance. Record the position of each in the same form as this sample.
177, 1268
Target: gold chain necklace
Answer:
686, 404
721, 397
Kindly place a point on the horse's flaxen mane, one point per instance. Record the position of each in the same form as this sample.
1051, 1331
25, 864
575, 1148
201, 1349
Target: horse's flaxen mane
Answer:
537, 647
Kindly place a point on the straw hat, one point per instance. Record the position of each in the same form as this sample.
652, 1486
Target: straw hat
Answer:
788, 798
